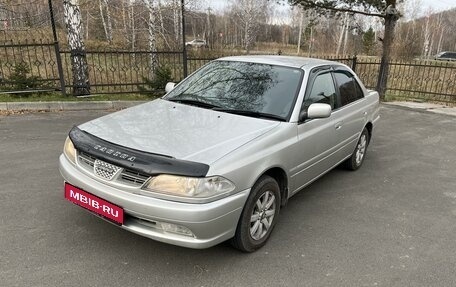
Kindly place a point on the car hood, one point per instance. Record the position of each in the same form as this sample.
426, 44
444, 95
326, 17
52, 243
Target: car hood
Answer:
177, 130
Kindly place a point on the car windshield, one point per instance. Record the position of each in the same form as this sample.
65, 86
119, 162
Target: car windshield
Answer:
250, 89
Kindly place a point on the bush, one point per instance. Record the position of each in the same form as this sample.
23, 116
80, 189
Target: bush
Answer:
20, 80
156, 86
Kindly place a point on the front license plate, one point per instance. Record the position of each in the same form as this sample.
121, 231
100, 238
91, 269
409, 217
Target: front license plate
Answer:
94, 203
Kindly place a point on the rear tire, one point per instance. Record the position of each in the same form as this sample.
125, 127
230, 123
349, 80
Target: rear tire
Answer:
357, 158
259, 215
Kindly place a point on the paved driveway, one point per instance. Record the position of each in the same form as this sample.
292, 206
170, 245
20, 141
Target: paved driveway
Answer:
392, 223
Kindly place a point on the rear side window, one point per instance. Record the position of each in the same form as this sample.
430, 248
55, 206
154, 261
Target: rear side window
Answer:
447, 55
349, 88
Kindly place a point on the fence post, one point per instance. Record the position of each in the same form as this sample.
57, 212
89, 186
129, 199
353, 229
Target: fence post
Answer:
57, 50
184, 49
354, 62
60, 68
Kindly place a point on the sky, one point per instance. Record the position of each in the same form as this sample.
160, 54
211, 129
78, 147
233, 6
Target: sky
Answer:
435, 5
439, 5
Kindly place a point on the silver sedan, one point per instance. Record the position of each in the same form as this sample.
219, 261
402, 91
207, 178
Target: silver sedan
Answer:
223, 151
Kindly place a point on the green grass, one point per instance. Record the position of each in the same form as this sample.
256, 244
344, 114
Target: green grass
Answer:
57, 97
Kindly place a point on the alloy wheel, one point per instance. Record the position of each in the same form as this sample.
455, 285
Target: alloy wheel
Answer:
262, 215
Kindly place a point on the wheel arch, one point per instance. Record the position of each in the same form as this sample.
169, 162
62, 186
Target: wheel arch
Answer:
281, 177
369, 128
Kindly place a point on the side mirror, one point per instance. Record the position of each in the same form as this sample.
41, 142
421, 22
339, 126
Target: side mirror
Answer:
318, 111
169, 87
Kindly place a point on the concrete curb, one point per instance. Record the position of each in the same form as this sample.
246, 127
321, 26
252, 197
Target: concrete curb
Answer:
426, 107
67, 106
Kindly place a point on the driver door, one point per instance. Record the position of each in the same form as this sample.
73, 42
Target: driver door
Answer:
316, 139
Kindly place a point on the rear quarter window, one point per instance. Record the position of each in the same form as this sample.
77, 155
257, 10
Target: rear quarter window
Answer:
349, 89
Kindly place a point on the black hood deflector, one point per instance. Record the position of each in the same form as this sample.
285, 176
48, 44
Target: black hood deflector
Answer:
143, 162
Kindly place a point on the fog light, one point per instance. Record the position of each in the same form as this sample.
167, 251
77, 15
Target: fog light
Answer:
173, 228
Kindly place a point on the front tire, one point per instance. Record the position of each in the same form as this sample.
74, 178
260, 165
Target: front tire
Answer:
259, 215
357, 158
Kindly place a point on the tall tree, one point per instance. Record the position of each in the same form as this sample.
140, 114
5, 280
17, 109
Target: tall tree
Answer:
152, 28
385, 9
72, 17
342, 34
250, 13
106, 20
177, 20
369, 41
131, 37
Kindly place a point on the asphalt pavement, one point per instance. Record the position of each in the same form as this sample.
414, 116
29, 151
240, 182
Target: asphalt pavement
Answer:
391, 223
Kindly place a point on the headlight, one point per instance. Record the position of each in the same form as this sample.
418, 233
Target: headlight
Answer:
190, 186
69, 150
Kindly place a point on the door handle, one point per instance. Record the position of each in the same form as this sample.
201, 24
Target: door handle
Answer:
364, 113
338, 125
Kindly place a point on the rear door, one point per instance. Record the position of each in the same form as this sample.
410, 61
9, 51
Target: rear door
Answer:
350, 114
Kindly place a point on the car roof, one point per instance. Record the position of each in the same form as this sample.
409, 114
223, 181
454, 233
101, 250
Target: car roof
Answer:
289, 61
446, 52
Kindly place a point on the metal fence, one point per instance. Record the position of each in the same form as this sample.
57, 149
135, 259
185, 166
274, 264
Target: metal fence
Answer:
113, 72
29, 66
33, 66
413, 80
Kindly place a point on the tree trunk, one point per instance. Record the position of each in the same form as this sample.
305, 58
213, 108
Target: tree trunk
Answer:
87, 26
209, 28
301, 17
152, 30
176, 21
131, 15
309, 53
124, 18
247, 37
439, 47
347, 28
109, 21
427, 38
133, 26
341, 36
107, 25
390, 23
103, 21
160, 18
161, 24
72, 17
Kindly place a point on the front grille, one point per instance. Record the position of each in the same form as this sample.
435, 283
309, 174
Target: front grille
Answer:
109, 171
86, 160
105, 170
133, 177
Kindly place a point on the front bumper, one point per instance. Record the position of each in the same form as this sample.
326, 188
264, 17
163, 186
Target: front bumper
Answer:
210, 223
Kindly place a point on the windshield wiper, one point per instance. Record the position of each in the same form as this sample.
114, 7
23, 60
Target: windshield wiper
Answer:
252, 114
194, 103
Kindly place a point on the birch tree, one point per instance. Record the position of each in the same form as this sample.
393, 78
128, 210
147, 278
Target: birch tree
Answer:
342, 34
131, 24
427, 37
249, 13
72, 18
177, 21
301, 19
106, 20
440, 30
152, 27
